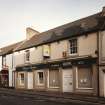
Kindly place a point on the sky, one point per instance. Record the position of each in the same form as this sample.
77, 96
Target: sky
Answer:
41, 15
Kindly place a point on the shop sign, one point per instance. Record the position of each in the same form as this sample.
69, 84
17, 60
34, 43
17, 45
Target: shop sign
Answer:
46, 50
26, 68
81, 62
66, 64
55, 65
39, 66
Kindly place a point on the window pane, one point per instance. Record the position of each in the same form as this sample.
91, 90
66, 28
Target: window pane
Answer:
27, 55
84, 77
73, 46
21, 79
40, 77
54, 78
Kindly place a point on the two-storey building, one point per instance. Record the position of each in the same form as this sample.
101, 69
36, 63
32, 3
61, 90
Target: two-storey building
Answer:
6, 74
61, 59
68, 58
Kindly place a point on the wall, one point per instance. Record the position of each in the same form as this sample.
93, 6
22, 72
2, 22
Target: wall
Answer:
10, 66
0, 63
36, 54
102, 47
57, 48
87, 45
101, 81
19, 58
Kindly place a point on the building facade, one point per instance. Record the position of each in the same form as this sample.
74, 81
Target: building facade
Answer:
69, 58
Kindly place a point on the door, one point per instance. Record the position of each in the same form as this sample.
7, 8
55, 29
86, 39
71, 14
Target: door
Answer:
30, 80
67, 80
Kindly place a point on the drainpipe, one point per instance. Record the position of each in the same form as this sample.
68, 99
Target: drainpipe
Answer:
98, 85
12, 69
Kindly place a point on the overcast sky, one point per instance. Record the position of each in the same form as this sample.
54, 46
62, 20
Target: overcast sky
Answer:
42, 15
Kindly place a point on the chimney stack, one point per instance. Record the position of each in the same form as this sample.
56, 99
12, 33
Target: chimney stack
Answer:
30, 33
103, 11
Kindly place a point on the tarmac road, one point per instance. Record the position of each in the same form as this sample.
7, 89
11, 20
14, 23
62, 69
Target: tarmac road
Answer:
13, 98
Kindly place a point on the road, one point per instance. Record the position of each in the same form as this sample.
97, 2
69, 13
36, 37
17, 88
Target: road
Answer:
17, 98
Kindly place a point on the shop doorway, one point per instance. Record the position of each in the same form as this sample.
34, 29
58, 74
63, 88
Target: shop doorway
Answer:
67, 80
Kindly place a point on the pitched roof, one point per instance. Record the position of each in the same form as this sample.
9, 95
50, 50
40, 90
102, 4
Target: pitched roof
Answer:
80, 27
8, 49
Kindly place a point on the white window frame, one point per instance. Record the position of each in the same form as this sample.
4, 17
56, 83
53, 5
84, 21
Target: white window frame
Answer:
27, 51
73, 54
38, 83
77, 81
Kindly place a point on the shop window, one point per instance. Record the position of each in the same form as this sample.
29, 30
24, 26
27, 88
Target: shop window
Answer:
40, 77
84, 77
54, 78
73, 46
21, 78
27, 55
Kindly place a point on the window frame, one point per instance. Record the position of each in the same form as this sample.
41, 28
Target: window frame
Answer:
77, 86
73, 54
20, 79
54, 87
38, 81
4, 60
27, 55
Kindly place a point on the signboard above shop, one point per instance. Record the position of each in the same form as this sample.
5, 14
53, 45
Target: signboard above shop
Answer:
46, 50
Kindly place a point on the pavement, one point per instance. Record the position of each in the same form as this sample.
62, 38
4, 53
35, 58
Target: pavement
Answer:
24, 97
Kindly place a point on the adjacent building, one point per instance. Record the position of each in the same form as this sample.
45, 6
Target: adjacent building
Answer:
68, 58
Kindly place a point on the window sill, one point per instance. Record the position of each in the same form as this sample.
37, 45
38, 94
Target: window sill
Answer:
40, 84
73, 55
85, 88
54, 87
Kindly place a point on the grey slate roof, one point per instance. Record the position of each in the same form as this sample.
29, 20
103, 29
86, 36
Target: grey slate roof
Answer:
80, 27
8, 49
83, 26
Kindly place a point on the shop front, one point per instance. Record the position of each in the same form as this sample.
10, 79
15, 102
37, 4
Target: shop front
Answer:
24, 77
75, 76
4, 78
86, 77
54, 78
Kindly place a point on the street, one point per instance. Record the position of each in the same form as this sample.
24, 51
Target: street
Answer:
17, 97
15, 100
11, 100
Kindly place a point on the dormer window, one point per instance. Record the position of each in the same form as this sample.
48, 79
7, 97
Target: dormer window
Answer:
73, 46
27, 55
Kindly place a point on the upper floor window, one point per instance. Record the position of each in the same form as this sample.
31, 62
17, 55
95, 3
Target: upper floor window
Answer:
4, 61
73, 46
27, 55
46, 51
